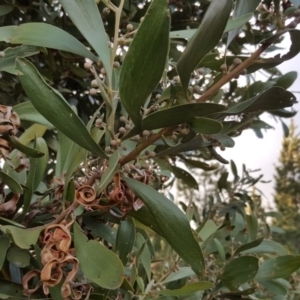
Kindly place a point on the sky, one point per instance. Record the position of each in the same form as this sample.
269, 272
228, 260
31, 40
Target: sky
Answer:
263, 153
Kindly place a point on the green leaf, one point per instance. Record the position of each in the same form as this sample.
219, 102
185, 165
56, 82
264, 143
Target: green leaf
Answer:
239, 271
8, 62
85, 15
188, 289
278, 267
55, 108
172, 224
22, 237
143, 255
15, 291
271, 99
205, 39
287, 79
146, 58
13, 185
98, 263
5, 243
5, 9
36, 173
206, 126
185, 177
107, 176
125, 239
248, 246
181, 273
44, 35
231, 24
220, 249
274, 287
19, 257
251, 221
241, 8
31, 152
27, 112
180, 114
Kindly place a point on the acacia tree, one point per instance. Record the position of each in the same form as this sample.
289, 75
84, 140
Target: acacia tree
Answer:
102, 104
287, 190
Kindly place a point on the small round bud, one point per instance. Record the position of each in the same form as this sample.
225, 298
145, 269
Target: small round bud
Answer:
142, 19
87, 65
122, 119
124, 147
116, 64
129, 27
98, 123
237, 76
157, 96
106, 11
176, 79
196, 76
99, 63
107, 149
293, 24
103, 72
200, 71
127, 126
243, 72
137, 165
122, 130
236, 61
197, 89
2, 53
93, 92
119, 142
174, 137
122, 40
146, 133
94, 83
296, 13
223, 67
147, 152
152, 154
113, 143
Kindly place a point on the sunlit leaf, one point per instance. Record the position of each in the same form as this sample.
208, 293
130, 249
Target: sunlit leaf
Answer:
19, 257
145, 60
22, 237
85, 15
242, 8
54, 107
205, 39
274, 287
44, 35
171, 223
98, 263
181, 273
286, 80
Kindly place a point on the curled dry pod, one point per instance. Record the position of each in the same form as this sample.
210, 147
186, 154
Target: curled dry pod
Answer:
86, 195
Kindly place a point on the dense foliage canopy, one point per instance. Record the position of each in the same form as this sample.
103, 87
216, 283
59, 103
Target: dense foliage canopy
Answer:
105, 104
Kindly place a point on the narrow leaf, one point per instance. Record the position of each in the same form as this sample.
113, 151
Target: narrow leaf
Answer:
241, 8
172, 224
181, 273
180, 114
13, 185
205, 39
188, 289
5, 9
54, 107
146, 58
185, 177
85, 15
5, 243
44, 35
98, 263
125, 239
